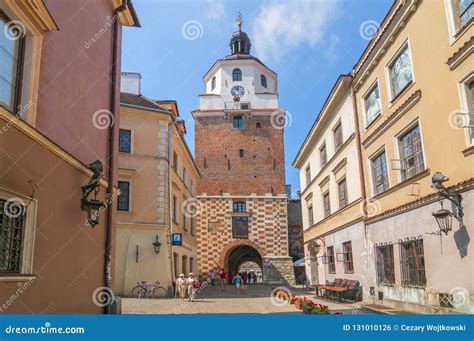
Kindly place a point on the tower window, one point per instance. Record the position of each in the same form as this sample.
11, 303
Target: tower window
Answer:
237, 75
213, 83
263, 81
241, 152
259, 125
238, 122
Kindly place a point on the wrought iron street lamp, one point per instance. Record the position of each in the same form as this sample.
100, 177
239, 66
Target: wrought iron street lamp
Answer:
444, 218
92, 206
156, 245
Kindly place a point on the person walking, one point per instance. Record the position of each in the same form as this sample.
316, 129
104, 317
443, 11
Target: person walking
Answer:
237, 280
244, 280
192, 283
223, 277
181, 287
212, 276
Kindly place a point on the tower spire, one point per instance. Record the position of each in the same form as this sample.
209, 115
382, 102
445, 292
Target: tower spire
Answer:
239, 20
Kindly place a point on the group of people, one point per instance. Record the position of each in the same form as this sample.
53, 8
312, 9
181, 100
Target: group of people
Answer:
187, 285
240, 280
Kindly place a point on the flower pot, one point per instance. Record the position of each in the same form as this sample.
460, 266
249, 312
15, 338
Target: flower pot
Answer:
298, 305
307, 310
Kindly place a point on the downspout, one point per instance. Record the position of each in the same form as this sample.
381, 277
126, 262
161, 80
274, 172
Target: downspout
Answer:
170, 208
110, 154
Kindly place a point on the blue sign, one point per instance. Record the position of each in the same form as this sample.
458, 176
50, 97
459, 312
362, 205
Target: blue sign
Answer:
176, 238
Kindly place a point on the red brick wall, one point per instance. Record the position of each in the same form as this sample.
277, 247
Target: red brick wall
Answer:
218, 144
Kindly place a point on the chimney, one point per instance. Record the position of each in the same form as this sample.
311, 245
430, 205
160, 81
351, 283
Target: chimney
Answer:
130, 83
181, 124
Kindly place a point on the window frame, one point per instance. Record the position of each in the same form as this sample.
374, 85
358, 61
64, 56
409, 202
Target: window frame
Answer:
240, 120
394, 97
373, 172
184, 264
308, 174
263, 81
174, 210
466, 107
348, 257
237, 75
130, 151
323, 150
129, 203
373, 86
400, 150
337, 134
175, 161
346, 199
310, 215
384, 255
240, 236
331, 259
239, 206
213, 83
183, 216
176, 264
326, 210
410, 277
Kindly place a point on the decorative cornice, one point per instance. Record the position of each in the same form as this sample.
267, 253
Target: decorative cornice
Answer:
39, 12
390, 120
462, 54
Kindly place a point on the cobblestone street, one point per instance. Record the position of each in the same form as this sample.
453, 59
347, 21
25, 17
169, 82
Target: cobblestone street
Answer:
256, 299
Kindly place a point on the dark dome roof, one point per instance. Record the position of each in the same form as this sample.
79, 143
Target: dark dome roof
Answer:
240, 43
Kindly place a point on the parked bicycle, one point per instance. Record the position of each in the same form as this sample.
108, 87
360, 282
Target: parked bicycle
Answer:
149, 290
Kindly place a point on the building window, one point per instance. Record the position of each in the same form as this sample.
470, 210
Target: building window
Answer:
323, 156
400, 71
175, 209
240, 227
125, 137
308, 175
123, 203
12, 229
238, 122
184, 265
338, 137
468, 117
342, 191
263, 81
412, 262
176, 264
379, 173
175, 162
11, 57
213, 83
185, 228
258, 125
372, 104
384, 263
310, 215
327, 205
464, 10
330, 260
239, 206
347, 253
192, 187
236, 75
193, 226
411, 153
191, 264
185, 176
241, 153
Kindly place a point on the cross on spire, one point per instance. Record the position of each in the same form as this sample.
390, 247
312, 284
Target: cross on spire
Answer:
239, 20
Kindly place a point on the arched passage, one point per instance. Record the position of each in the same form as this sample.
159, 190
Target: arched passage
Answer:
238, 255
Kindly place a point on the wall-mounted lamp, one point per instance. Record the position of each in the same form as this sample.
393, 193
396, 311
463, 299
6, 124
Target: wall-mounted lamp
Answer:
156, 245
92, 206
443, 216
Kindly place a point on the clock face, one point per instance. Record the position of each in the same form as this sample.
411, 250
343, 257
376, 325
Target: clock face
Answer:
237, 91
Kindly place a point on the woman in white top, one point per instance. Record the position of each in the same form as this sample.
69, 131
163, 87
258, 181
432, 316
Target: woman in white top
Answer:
181, 287
191, 289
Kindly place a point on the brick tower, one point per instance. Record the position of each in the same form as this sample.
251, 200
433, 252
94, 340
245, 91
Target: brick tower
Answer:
240, 154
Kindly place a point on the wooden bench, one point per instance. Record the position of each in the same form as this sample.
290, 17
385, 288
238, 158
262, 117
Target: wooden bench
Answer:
340, 287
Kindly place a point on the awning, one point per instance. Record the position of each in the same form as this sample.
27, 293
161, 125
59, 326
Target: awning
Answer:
299, 262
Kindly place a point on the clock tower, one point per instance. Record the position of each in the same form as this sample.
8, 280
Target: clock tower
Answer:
239, 151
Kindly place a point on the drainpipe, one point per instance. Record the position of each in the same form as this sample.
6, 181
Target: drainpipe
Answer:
170, 208
110, 153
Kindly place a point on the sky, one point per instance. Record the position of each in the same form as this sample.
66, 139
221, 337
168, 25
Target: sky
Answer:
308, 43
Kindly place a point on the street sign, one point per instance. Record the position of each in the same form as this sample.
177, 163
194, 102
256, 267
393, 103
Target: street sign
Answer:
176, 238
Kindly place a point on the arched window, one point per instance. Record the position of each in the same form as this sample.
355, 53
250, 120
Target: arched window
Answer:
237, 75
263, 81
213, 83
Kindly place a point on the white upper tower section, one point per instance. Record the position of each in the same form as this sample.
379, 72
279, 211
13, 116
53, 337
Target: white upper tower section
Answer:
239, 80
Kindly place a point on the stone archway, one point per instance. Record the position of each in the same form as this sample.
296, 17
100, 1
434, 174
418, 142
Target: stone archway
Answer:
238, 252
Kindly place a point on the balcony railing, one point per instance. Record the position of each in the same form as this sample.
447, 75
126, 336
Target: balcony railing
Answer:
237, 105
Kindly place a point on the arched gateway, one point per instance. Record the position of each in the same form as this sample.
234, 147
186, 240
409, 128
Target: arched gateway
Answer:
240, 155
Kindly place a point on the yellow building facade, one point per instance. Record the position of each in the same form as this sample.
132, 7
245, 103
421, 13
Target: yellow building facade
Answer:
157, 179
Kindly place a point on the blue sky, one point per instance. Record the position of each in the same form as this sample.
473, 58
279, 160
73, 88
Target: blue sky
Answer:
309, 43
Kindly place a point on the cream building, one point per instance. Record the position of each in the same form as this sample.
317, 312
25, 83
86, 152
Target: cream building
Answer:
154, 158
331, 193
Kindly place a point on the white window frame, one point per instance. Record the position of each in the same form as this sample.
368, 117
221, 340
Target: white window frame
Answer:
393, 99
27, 257
379, 151
130, 194
374, 84
132, 139
452, 31
462, 84
396, 146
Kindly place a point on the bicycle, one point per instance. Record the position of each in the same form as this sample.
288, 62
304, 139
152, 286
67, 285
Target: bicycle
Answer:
146, 289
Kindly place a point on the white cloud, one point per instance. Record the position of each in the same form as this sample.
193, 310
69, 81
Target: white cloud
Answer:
282, 25
215, 9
